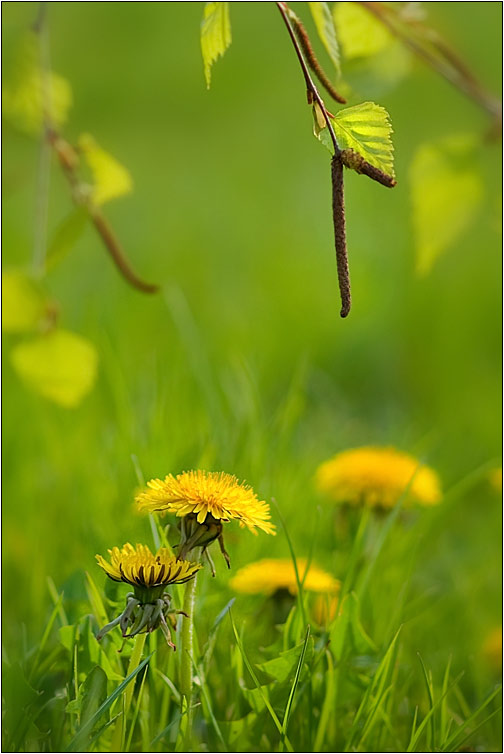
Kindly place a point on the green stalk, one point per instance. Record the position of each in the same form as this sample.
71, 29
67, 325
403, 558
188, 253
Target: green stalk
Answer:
186, 646
134, 662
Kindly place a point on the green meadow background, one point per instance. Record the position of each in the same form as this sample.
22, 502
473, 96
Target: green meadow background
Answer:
241, 363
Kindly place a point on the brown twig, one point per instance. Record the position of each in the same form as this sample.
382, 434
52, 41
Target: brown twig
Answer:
355, 161
304, 41
338, 206
336, 175
310, 85
69, 162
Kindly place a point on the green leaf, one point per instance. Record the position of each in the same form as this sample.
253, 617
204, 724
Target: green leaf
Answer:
325, 27
110, 178
66, 236
28, 94
85, 730
361, 34
61, 366
446, 193
282, 667
215, 35
24, 304
365, 129
94, 693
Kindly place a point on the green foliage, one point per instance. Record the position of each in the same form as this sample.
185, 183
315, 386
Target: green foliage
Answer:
325, 27
28, 96
361, 34
365, 129
215, 35
24, 304
446, 193
110, 178
241, 365
60, 366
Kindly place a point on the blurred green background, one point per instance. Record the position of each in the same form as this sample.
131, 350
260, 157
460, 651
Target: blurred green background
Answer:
242, 363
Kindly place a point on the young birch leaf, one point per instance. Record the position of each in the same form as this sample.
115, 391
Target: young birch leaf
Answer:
61, 366
361, 34
326, 31
110, 178
24, 305
366, 129
27, 94
215, 35
445, 195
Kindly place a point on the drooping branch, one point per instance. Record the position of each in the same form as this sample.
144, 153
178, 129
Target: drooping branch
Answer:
428, 45
338, 206
69, 162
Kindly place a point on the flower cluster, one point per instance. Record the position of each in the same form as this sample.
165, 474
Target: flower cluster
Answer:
203, 501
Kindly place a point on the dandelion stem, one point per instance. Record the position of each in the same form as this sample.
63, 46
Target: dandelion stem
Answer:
186, 646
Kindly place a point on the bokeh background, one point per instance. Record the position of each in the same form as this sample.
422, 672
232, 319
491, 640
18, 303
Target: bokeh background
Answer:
241, 362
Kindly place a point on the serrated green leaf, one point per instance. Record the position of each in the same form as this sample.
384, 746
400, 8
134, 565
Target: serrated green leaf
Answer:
60, 366
110, 178
24, 305
325, 27
28, 95
366, 129
215, 35
446, 194
360, 33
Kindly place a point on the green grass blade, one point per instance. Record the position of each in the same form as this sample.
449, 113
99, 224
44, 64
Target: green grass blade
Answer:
77, 742
208, 703
294, 686
328, 705
300, 594
449, 744
414, 740
430, 693
261, 690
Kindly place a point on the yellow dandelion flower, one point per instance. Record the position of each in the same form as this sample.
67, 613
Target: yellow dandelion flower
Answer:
148, 607
139, 567
207, 492
271, 574
377, 477
203, 500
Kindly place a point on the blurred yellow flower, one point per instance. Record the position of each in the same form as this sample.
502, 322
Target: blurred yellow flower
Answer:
268, 575
377, 476
495, 478
324, 609
492, 648
138, 567
205, 493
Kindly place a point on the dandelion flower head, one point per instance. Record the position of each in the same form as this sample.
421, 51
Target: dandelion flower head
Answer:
377, 476
202, 493
271, 574
140, 568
